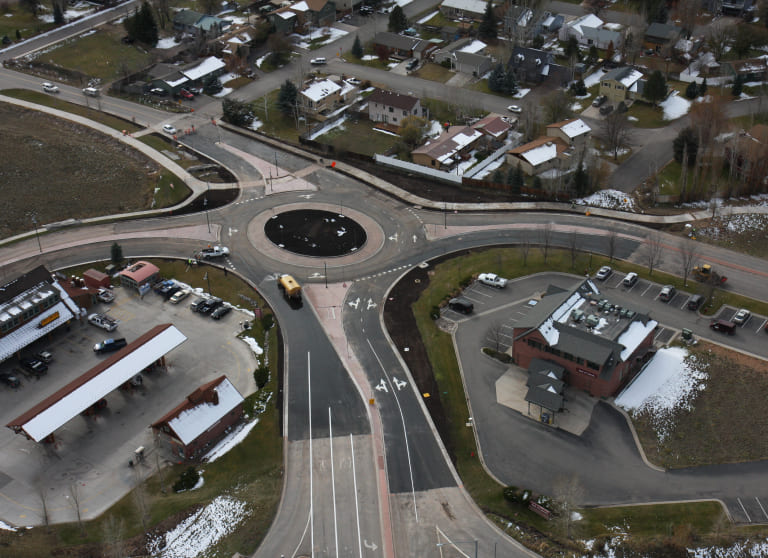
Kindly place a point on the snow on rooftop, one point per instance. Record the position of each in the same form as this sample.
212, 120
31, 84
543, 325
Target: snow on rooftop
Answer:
207, 66
474, 47
320, 90
30, 332
109, 380
631, 78
192, 422
300, 6
668, 382
634, 335
286, 14
575, 128
541, 154
589, 20
561, 314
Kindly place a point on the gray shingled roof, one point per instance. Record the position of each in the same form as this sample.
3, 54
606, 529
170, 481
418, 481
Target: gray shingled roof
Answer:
393, 40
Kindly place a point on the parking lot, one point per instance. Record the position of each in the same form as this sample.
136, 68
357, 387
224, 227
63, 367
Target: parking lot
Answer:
92, 452
643, 296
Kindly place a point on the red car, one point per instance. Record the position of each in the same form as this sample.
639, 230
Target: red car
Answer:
186, 94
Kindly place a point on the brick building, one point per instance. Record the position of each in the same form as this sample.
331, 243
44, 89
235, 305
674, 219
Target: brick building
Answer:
599, 346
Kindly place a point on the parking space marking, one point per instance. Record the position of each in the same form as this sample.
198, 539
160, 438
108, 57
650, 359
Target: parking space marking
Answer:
762, 326
648, 289
762, 509
685, 302
480, 292
744, 510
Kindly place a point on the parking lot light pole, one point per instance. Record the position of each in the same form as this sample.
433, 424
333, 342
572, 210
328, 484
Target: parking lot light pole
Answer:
454, 543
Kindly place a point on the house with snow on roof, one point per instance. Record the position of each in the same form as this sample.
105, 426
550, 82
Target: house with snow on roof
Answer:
622, 84
469, 9
591, 30
575, 132
391, 107
467, 56
531, 65
194, 426
495, 127
600, 346
197, 24
451, 147
560, 149
319, 97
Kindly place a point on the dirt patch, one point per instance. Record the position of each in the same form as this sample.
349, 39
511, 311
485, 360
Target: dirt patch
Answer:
726, 423
58, 170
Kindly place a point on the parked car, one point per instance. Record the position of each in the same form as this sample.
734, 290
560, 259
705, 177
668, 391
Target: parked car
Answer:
220, 312
741, 317
366, 10
695, 302
110, 345
179, 295
492, 280
184, 94
209, 305
515, 108
723, 326
411, 32
667, 292
319, 61
604, 273
50, 88
158, 92
168, 129
45, 356
10, 380
412, 65
105, 295
34, 365
630, 279
606, 109
195, 90
599, 100
460, 304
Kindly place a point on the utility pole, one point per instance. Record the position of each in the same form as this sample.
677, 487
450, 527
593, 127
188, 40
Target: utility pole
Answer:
37, 234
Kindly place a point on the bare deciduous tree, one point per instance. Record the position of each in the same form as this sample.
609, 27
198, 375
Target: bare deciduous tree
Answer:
112, 537
44, 513
688, 255
617, 133
74, 501
719, 34
573, 247
495, 335
653, 250
546, 240
557, 106
140, 498
525, 248
567, 494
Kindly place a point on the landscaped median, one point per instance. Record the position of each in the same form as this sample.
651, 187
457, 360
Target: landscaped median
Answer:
697, 433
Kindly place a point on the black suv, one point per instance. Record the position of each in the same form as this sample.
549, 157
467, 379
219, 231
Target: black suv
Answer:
460, 304
220, 312
10, 380
209, 305
37, 367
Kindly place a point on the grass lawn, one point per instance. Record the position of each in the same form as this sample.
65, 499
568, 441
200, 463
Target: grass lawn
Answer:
359, 137
276, 123
48, 100
639, 520
669, 178
374, 63
434, 72
647, 115
100, 54
13, 18
251, 472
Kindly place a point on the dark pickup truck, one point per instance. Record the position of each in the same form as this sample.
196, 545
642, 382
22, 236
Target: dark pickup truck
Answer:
110, 345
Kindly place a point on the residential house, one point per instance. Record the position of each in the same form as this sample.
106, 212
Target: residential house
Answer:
599, 349
604, 37
202, 419
747, 154
622, 84
475, 64
314, 13
235, 43
391, 107
754, 69
550, 23
396, 46
197, 24
530, 65
738, 8
466, 56
662, 37
495, 127
576, 28
284, 20
451, 147
542, 154
463, 9
575, 132
320, 96
519, 24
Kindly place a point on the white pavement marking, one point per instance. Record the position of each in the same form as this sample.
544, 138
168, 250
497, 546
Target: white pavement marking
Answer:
744, 510
382, 386
311, 465
647, 289
761, 326
371, 304
405, 430
355, 303
762, 509
333, 485
357, 505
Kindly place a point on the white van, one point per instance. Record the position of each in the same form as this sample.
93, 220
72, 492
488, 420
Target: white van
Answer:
91, 92
318, 61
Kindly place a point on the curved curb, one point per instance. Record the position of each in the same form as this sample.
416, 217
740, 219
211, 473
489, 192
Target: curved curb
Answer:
639, 446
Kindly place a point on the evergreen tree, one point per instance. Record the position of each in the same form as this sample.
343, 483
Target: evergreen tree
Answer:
286, 99
18, 35
655, 88
397, 20
236, 112
496, 79
538, 41
487, 30
141, 26
509, 86
593, 55
116, 253
357, 48
58, 13
581, 181
703, 87
537, 183
572, 48
738, 86
692, 91
579, 88
686, 140
497, 176
518, 179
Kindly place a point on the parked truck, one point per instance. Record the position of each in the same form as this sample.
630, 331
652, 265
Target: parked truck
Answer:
103, 321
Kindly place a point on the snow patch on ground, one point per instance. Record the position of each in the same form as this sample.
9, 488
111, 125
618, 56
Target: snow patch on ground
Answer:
196, 534
575, 107
593, 78
251, 342
521, 93
720, 227
229, 441
489, 169
4, 526
428, 17
336, 124
675, 106
327, 34
261, 60
668, 383
168, 42
609, 199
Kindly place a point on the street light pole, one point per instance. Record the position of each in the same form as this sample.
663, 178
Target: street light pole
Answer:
205, 208
37, 234
454, 543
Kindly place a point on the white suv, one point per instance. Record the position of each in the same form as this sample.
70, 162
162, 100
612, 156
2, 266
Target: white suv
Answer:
50, 88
